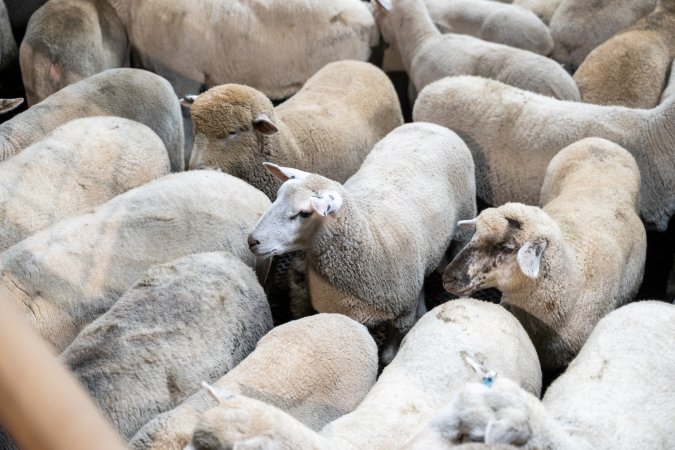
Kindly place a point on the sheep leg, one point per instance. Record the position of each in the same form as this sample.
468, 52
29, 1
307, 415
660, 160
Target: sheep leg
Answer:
397, 329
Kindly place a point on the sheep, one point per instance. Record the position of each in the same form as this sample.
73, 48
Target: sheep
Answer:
67, 275
544, 9
492, 21
130, 93
8, 49
617, 394
431, 364
371, 241
273, 46
428, 55
67, 41
316, 369
562, 267
328, 127
190, 319
631, 68
76, 167
514, 134
578, 26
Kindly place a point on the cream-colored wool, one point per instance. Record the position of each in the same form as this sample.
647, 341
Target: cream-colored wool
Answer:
562, 267
130, 93
544, 9
618, 393
631, 68
271, 45
578, 26
328, 127
428, 55
428, 368
190, 319
75, 168
316, 369
67, 275
8, 48
67, 41
514, 134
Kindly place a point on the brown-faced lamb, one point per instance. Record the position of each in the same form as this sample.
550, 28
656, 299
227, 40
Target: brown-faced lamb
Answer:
432, 363
67, 275
427, 55
562, 267
371, 241
617, 394
316, 369
514, 134
190, 319
75, 168
631, 68
130, 93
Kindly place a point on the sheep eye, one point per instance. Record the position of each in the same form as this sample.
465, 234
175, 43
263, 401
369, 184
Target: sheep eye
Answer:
305, 214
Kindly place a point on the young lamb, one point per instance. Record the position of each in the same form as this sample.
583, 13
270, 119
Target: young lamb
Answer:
578, 26
191, 319
8, 49
631, 68
544, 9
562, 267
273, 46
617, 394
67, 275
75, 168
328, 127
130, 93
371, 241
514, 134
432, 363
316, 369
67, 41
428, 55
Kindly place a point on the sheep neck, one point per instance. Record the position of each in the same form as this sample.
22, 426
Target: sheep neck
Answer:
412, 26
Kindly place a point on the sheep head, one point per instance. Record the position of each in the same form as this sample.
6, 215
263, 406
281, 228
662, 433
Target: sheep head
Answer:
504, 252
303, 204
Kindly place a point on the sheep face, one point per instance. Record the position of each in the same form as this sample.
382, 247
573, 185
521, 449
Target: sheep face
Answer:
303, 204
505, 251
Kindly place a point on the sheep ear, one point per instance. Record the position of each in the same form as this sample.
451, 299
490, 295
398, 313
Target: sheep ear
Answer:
326, 202
264, 125
218, 394
529, 257
385, 4
507, 431
285, 173
467, 226
8, 104
188, 100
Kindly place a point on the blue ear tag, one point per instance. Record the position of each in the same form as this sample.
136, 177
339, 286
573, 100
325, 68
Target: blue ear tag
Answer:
488, 380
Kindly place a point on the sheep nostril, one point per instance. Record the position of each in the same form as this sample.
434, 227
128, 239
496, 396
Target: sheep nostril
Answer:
252, 242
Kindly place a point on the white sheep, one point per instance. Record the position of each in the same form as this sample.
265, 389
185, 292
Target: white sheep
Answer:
514, 134
328, 127
273, 46
130, 93
578, 26
431, 364
562, 267
617, 394
316, 369
631, 68
371, 241
544, 9
190, 319
8, 48
76, 167
427, 55
67, 41
67, 275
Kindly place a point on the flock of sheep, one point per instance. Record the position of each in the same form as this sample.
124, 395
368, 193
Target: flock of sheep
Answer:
153, 283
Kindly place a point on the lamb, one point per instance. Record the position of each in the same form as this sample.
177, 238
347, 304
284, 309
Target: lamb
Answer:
76, 167
236, 128
428, 55
514, 134
544, 9
562, 267
631, 68
316, 369
194, 318
67, 275
578, 26
294, 37
371, 241
627, 361
130, 93
431, 364
8, 49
